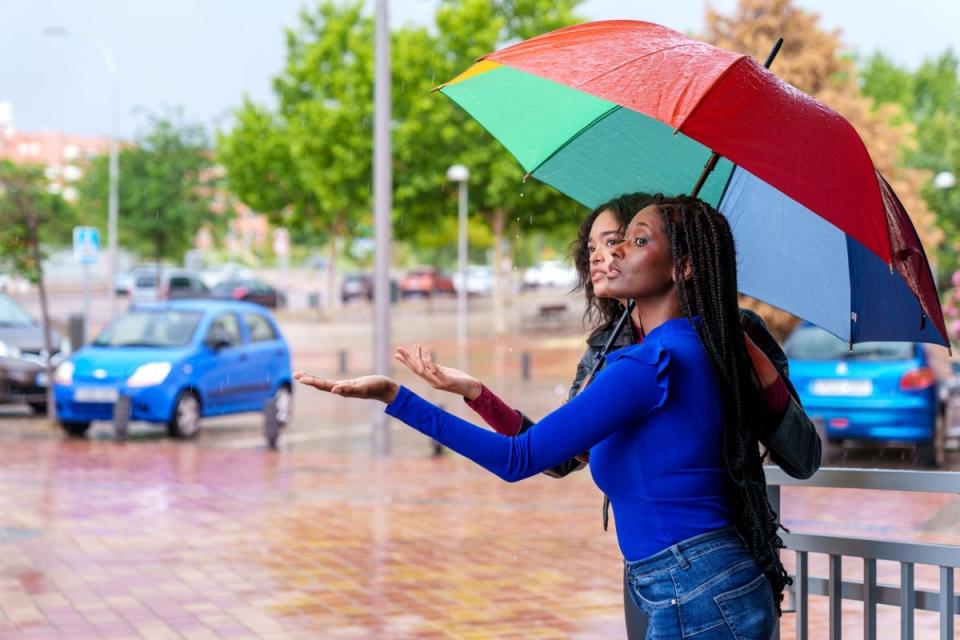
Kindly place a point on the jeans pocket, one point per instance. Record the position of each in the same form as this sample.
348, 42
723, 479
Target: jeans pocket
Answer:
748, 610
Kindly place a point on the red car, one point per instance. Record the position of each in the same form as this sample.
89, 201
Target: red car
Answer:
426, 281
255, 291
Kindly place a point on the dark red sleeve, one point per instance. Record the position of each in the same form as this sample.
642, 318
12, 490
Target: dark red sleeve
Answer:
776, 397
496, 413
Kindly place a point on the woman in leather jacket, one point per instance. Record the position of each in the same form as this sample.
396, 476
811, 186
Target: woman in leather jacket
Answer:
789, 436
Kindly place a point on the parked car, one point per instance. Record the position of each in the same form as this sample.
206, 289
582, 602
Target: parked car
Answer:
878, 392
550, 273
356, 285
213, 276
425, 281
479, 280
250, 290
175, 284
23, 357
178, 362
123, 283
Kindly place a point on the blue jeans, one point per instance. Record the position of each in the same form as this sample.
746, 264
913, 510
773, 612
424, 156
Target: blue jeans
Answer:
707, 587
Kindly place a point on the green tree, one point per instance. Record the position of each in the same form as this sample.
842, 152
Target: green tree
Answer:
930, 99
307, 166
167, 183
32, 218
432, 133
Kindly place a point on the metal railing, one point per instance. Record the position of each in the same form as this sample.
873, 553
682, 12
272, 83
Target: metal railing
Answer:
905, 595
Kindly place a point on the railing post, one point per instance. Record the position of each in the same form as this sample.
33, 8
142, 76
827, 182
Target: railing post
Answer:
836, 596
907, 600
801, 588
773, 495
946, 603
869, 599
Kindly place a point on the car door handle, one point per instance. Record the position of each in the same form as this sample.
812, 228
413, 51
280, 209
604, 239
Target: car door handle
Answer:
242, 357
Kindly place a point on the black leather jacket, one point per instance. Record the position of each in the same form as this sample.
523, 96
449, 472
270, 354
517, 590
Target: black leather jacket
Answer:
793, 444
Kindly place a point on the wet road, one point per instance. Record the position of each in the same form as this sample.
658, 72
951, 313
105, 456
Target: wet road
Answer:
220, 538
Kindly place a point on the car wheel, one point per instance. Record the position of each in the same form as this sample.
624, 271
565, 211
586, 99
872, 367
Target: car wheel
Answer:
283, 401
185, 421
39, 408
75, 429
933, 452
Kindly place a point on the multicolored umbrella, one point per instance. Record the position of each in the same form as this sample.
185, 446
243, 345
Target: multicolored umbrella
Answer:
610, 107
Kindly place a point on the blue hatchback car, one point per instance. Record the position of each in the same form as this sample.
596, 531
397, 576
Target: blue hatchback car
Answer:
878, 392
178, 362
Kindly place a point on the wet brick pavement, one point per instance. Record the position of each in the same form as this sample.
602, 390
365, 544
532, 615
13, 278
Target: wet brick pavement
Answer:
219, 538
160, 539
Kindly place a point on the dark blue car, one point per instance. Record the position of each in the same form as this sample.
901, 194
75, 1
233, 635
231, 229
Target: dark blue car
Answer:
178, 362
883, 392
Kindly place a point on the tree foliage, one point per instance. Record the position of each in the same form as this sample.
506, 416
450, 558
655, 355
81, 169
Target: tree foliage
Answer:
307, 165
930, 99
33, 218
165, 191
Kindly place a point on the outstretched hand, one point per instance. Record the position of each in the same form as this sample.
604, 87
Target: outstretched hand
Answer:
439, 377
379, 388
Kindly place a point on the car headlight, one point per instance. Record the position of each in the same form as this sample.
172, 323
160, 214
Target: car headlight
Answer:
64, 373
149, 374
8, 350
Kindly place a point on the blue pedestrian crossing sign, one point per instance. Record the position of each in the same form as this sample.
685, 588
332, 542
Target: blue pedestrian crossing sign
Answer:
86, 245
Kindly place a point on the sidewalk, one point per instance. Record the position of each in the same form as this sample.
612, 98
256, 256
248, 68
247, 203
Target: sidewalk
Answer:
160, 539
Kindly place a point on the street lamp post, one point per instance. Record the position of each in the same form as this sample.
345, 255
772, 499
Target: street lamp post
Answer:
382, 204
460, 174
113, 198
944, 180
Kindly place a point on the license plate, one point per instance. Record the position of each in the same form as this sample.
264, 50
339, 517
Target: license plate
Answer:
95, 394
858, 388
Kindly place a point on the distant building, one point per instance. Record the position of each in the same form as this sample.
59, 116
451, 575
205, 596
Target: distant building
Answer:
63, 156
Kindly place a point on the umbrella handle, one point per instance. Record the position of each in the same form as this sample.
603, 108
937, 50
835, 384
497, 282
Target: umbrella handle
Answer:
606, 348
714, 157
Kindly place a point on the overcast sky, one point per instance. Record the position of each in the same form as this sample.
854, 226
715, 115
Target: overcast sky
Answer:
205, 54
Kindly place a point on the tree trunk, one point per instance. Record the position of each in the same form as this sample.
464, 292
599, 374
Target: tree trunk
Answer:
334, 301
499, 319
44, 309
158, 246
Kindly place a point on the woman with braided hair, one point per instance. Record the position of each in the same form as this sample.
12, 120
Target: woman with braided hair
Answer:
672, 431
786, 431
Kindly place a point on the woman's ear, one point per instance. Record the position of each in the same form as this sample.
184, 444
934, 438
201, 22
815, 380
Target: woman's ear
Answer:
687, 271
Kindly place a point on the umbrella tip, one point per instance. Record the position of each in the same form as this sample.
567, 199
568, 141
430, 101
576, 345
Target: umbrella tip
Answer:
438, 87
527, 176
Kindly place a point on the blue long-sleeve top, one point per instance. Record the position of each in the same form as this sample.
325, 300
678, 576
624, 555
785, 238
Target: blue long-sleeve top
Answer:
652, 421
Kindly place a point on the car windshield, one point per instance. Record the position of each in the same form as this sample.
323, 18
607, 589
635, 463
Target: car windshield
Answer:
12, 314
813, 343
150, 328
147, 280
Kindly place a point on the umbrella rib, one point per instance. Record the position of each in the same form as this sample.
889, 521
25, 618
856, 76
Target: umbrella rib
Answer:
566, 143
713, 84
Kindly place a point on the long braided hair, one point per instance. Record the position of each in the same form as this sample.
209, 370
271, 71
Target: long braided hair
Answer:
601, 313
704, 261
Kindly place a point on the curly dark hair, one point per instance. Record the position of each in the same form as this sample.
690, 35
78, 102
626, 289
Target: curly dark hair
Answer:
704, 260
601, 313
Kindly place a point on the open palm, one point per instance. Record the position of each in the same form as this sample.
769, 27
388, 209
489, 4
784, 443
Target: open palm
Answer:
420, 362
379, 388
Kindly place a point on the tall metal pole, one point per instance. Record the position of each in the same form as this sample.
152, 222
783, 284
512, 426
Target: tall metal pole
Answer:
382, 204
460, 174
462, 264
113, 202
114, 166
